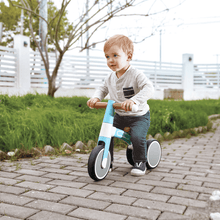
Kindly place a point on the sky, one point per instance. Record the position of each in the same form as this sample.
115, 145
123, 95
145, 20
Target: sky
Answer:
192, 27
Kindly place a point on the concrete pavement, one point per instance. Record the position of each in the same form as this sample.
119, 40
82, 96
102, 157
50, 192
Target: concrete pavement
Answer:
60, 189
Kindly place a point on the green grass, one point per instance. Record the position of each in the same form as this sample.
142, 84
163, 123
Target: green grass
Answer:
38, 120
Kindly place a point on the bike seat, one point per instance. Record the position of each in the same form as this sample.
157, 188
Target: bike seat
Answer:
127, 129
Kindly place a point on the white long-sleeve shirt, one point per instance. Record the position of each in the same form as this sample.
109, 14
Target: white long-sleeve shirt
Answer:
133, 84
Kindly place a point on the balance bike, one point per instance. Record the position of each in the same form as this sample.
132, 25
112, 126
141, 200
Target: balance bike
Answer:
100, 158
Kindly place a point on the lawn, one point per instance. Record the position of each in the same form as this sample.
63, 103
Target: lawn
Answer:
38, 120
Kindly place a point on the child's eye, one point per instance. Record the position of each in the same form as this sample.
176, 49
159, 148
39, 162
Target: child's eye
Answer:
107, 57
115, 55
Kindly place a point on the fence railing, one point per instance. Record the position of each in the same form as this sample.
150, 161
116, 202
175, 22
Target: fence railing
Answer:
206, 76
8, 67
89, 72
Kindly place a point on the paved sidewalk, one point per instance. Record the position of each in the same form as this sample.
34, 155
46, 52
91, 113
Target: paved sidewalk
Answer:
60, 188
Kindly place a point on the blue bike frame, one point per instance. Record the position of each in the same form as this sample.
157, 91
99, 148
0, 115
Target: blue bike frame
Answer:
108, 131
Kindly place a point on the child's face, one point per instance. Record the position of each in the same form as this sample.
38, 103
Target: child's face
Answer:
117, 59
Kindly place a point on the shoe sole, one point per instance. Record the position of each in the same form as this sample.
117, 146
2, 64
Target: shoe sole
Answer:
139, 173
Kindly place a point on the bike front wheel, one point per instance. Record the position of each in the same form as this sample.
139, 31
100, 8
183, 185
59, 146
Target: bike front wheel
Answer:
95, 169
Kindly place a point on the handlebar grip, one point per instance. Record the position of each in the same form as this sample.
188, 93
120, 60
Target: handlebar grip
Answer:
134, 108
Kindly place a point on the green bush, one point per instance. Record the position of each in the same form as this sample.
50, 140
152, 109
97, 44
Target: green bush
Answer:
38, 120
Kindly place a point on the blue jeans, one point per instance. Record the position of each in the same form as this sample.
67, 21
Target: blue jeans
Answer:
139, 127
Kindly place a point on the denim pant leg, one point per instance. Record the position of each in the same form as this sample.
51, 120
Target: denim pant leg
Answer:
139, 127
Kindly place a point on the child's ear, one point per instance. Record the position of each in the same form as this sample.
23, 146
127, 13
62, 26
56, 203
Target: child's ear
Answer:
129, 56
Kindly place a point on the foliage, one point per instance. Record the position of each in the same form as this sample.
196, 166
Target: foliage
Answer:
10, 16
38, 120
178, 115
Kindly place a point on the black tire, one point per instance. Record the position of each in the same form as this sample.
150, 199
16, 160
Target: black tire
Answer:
154, 153
95, 169
129, 156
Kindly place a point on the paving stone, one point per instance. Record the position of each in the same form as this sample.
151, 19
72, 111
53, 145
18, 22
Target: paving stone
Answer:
134, 218
35, 186
44, 195
53, 170
162, 206
16, 211
112, 198
8, 218
204, 197
51, 206
30, 172
182, 181
77, 173
7, 181
11, 189
95, 214
203, 179
13, 199
173, 216
175, 192
67, 183
146, 195
194, 211
49, 165
59, 176
157, 183
195, 188
127, 178
71, 191
35, 179
133, 211
85, 202
8, 174
135, 186
187, 202
104, 182
71, 163
172, 175
105, 189
44, 215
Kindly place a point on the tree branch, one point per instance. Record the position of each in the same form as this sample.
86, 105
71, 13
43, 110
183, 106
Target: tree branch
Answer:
28, 10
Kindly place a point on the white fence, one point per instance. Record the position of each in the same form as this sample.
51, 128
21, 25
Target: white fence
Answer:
206, 76
89, 72
21, 75
8, 67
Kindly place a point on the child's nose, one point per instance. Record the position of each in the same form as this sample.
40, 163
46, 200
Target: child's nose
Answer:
111, 59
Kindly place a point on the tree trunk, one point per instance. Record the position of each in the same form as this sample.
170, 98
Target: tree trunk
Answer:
52, 87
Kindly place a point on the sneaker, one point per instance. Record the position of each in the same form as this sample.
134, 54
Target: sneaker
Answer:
139, 169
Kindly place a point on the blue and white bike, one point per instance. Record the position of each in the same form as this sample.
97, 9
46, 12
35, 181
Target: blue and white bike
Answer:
100, 158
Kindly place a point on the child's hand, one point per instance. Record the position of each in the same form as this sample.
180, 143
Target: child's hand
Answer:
127, 105
91, 102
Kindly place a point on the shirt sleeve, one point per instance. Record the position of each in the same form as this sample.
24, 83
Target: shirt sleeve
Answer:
102, 91
146, 89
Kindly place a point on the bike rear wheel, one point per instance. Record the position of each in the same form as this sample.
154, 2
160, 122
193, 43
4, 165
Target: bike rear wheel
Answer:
154, 154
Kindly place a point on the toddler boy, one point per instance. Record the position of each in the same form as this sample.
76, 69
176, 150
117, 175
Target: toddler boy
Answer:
128, 86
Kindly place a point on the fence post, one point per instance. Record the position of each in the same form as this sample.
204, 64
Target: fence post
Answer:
187, 76
22, 45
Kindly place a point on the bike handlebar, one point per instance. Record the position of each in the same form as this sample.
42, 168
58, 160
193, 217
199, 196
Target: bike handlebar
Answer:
115, 106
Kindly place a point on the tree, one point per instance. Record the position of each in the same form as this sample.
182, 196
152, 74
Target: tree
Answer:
10, 16
99, 11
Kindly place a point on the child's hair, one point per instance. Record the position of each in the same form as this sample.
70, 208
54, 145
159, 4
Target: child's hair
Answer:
122, 41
